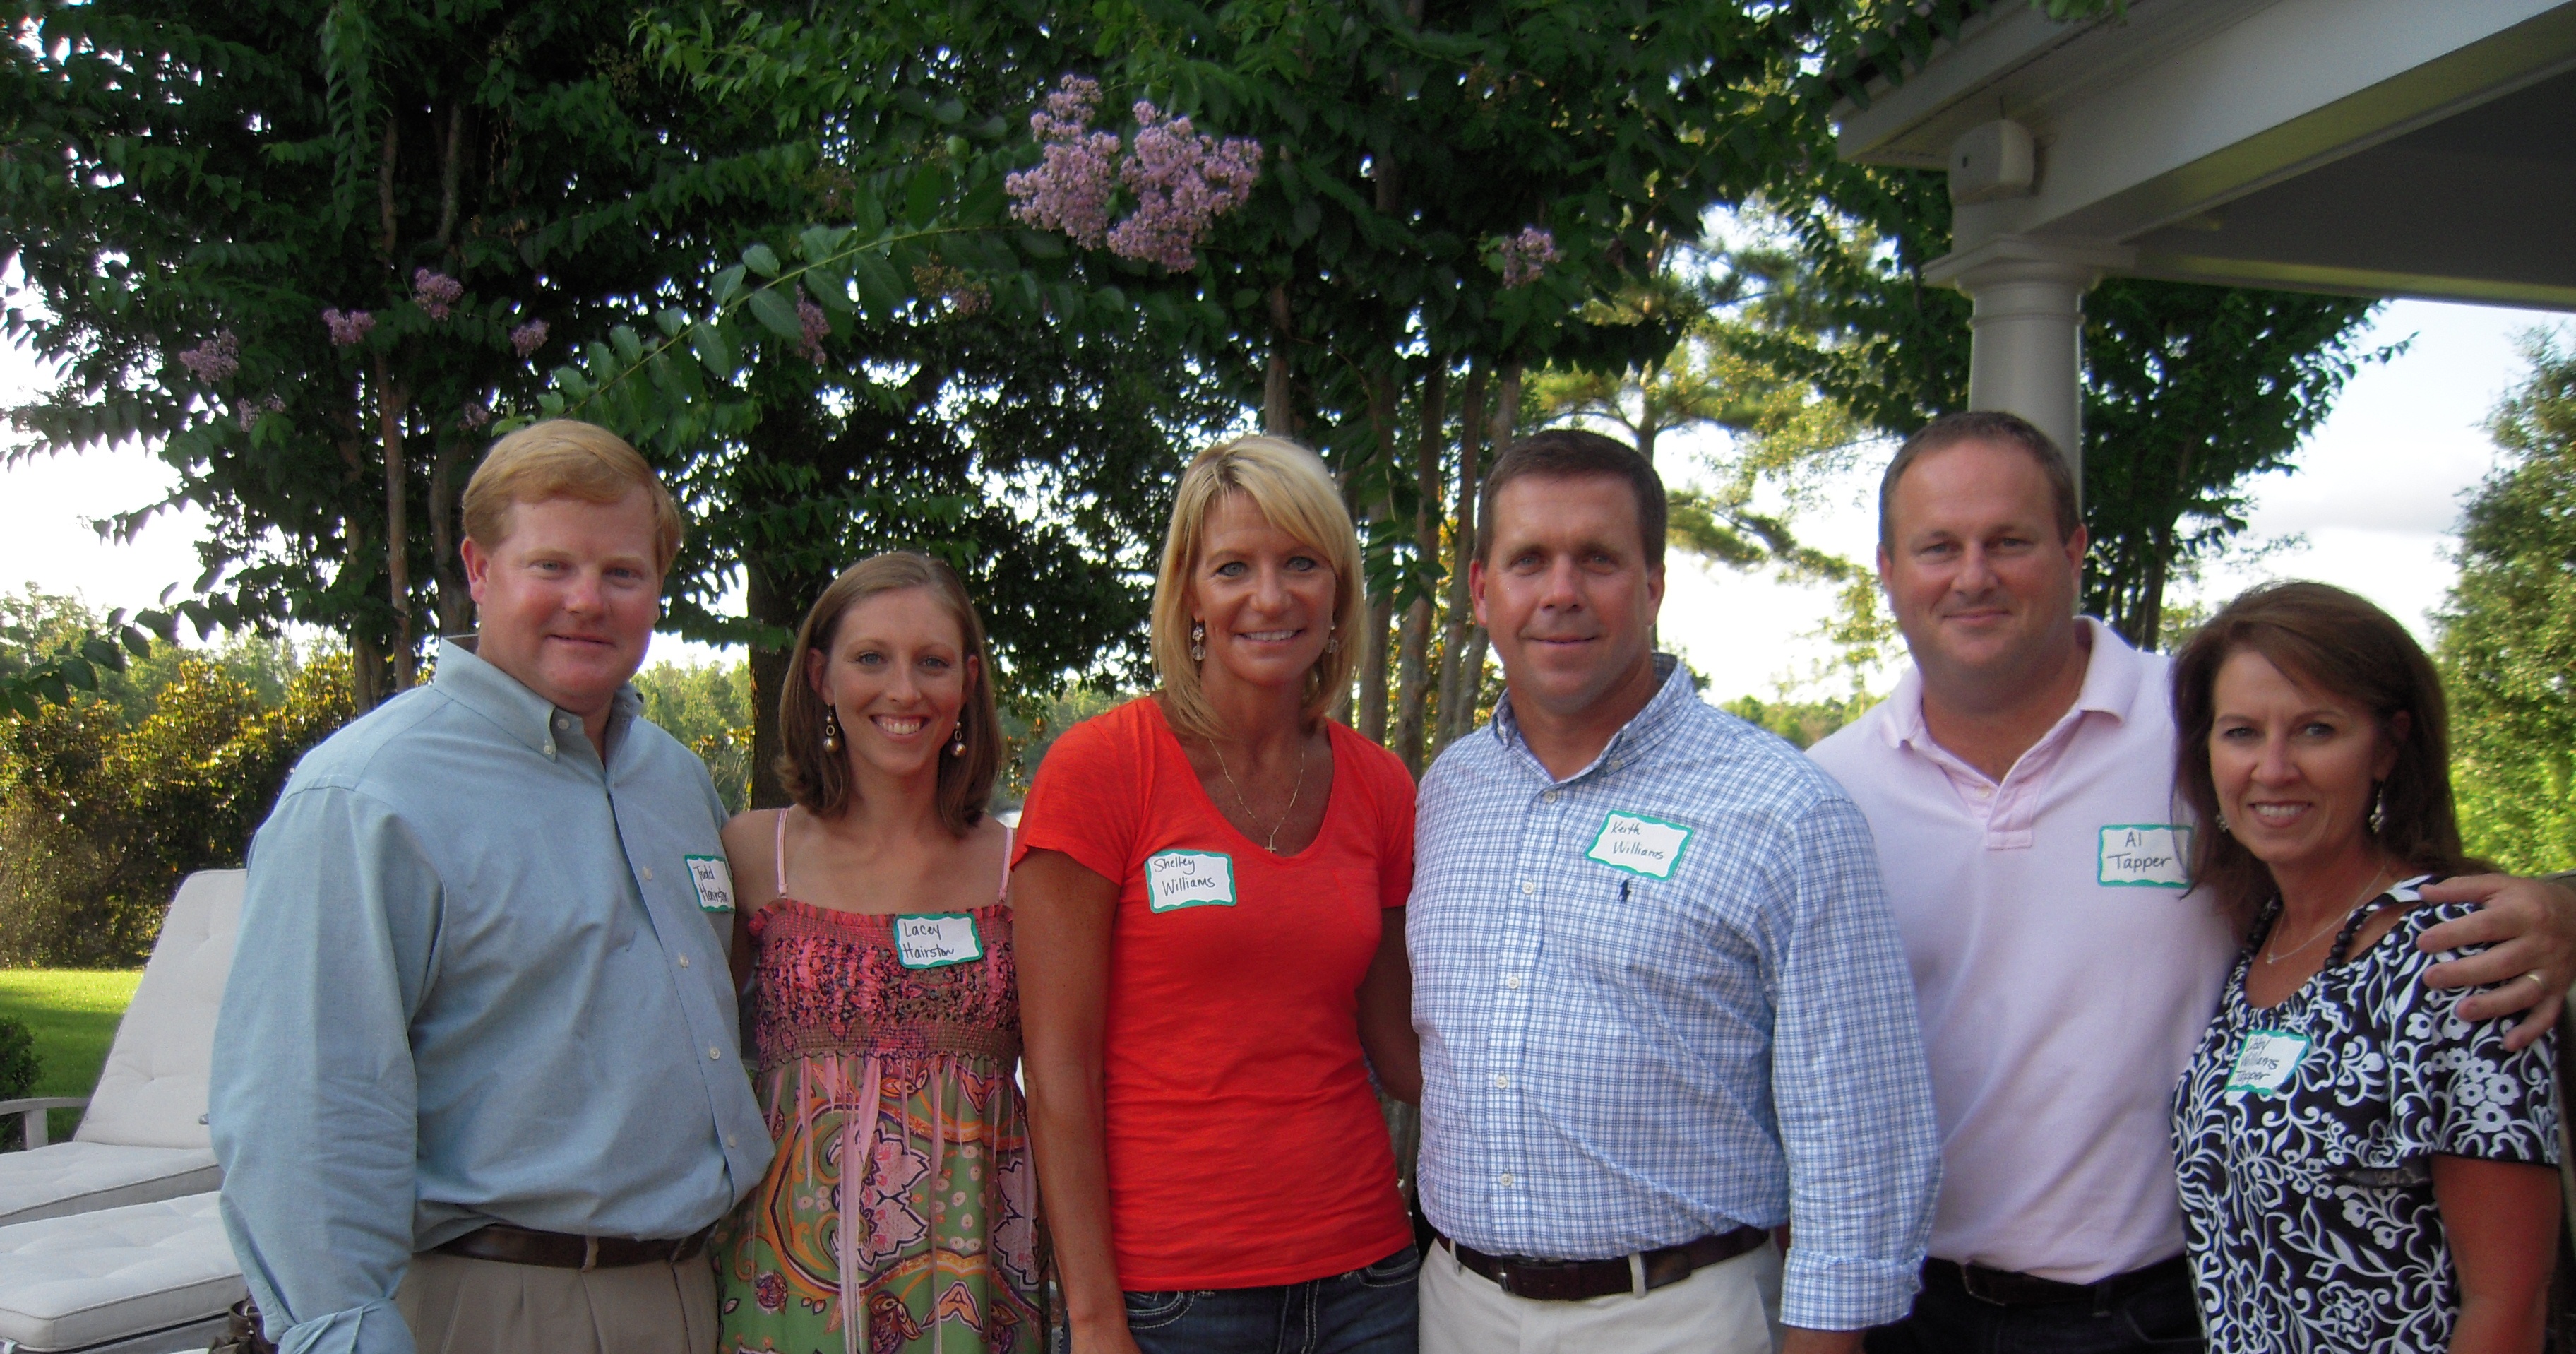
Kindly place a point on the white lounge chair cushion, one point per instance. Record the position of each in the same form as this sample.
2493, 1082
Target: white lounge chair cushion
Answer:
80, 1177
70, 1283
152, 1091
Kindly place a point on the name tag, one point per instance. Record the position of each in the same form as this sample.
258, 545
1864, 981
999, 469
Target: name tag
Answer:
937, 940
713, 880
2265, 1061
1178, 879
1640, 845
2145, 855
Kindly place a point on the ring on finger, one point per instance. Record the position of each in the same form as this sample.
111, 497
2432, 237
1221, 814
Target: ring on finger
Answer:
2536, 977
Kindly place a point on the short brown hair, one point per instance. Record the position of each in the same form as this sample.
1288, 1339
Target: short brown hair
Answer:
1572, 453
1294, 493
2322, 636
820, 780
564, 458
1984, 425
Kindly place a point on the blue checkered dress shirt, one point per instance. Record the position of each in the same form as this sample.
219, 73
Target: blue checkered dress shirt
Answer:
1614, 1061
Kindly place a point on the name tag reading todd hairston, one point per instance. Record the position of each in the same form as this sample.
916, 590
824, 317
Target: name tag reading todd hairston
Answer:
936, 940
2145, 855
1178, 879
1640, 845
2265, 1061
713, 881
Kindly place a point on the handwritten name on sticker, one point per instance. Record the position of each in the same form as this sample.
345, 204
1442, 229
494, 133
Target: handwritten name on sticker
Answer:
937, 940
2265, 1061
1640, 845
713, 880
1178, 879
2145, 855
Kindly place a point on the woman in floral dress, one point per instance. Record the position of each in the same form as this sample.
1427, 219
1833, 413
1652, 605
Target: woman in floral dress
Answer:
900, 1212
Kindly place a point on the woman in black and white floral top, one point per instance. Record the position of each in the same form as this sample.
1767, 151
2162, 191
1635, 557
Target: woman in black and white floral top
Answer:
2362, 1169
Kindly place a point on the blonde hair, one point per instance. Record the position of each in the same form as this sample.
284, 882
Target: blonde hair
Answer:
820, 780
1293, 492
564, 458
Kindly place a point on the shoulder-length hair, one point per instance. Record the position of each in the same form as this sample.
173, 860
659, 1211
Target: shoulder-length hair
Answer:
2326, 638
1295, 494
820, 780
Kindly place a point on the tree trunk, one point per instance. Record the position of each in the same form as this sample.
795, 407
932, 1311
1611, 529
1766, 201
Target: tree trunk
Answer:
768, 678
366, 672
446, 570
1456, 713
1370, 716
390, 403
1414, 650
1278, 386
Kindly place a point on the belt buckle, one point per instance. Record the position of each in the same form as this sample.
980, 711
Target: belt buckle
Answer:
1968, 1284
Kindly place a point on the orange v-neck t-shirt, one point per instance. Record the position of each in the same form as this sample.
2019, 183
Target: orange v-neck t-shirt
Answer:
1245, 1148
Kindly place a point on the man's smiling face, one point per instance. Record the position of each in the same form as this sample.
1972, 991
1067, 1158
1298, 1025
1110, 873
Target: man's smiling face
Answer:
1982, 584
1565, 589
568, 597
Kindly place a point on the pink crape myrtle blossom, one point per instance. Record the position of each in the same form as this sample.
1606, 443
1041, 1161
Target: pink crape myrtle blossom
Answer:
249, 415
348, 328
1069, 190
528, 338
435, 292
476, 414
817, 327
1182, 181
214, 360
1526, 256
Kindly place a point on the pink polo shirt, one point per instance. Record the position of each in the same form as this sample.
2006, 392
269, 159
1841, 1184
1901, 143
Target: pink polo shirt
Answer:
2064, 973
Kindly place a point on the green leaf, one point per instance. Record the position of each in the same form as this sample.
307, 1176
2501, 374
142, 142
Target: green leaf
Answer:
714, 350
879, 285
776, 313
930, 186
727, 283
630, 345
1042, 244
760, 260
819, 243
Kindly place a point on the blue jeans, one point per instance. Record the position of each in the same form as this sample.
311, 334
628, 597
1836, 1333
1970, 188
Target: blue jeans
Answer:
2161, 1319
1367, 1311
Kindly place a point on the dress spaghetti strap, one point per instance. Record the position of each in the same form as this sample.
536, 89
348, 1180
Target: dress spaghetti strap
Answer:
778, 853
1005, 892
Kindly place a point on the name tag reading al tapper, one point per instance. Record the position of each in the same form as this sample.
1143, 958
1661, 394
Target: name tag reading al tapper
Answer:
1640, 845
1178, 879
2145, 855
936, 939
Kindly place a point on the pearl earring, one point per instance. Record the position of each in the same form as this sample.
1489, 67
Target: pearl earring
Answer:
831, 729
957, 740
1198, 641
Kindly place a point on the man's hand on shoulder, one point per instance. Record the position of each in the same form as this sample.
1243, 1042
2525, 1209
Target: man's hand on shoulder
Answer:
2529, 929
1804, 1341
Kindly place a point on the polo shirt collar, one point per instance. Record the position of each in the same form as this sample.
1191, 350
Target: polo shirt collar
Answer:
1642, 731
470, 681
2113, 674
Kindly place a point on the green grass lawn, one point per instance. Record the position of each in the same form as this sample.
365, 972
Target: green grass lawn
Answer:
73, 1014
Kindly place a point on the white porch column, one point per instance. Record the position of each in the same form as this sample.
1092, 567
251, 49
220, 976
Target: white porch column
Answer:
2028, 325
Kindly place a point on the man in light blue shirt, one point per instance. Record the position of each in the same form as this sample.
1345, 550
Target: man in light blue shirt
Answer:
1662, 1007
475, 1074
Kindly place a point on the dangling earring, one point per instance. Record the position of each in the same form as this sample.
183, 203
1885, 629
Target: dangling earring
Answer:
1198, 641
1333, 640
831, 729
2222, 824
957, 740
2378, 806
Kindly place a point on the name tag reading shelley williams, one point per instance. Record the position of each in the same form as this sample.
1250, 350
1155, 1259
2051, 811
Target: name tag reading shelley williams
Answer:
2145, 855
1640, 845
1178, 879
937, 940
713, 881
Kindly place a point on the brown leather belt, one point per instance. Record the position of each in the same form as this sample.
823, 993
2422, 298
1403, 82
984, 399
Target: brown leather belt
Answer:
562, 1250
1578, 1280
2007, 1288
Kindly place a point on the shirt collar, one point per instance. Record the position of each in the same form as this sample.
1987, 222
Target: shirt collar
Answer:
2112, 674
1642, 731
470, 681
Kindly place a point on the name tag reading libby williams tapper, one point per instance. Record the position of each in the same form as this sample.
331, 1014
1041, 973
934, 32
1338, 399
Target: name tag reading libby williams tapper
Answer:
1640, 845
1178, 879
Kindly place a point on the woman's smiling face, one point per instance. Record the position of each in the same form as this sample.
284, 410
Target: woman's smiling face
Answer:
2296, 767
1265, 597
897, 676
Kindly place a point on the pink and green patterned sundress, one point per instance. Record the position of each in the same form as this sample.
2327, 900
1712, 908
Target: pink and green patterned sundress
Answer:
898, 1055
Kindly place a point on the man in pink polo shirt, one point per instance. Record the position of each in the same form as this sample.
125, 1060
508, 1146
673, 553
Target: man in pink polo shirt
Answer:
2019, 783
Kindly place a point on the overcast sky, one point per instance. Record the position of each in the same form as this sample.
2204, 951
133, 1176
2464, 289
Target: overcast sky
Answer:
2377, 496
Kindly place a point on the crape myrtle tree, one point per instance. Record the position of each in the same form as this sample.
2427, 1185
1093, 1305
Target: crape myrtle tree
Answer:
307, 250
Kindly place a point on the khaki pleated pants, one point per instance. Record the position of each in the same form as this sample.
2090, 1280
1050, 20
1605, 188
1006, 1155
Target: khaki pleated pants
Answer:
1728, 1308
458, 1305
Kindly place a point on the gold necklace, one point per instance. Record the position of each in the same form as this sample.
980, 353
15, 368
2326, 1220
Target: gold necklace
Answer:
1272, 844
2273, 953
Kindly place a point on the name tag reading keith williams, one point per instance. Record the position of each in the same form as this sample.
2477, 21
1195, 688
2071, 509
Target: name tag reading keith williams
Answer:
1640, 845
1178, 879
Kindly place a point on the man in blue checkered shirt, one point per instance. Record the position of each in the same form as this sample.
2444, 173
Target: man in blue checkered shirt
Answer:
1663, 1009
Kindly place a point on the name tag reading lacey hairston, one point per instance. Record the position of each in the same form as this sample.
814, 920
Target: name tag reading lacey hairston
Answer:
937, 940
1640, 845
1178, 879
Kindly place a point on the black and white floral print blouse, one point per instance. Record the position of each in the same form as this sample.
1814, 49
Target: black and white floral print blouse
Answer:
2305, 1135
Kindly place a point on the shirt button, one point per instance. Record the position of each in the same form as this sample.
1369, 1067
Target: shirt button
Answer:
648, 874
715, 1054
732, 1141
550, 747
1507, 1180
684, 961
1513, 981
1502, 1082
563, 721
1527, 887
1549, 797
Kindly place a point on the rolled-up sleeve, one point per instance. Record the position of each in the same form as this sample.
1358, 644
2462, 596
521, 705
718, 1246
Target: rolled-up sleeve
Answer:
313, 1103
1850, 1086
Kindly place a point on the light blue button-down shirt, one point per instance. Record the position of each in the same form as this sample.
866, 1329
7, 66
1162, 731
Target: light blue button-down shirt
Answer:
475, 983
1711, 1028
